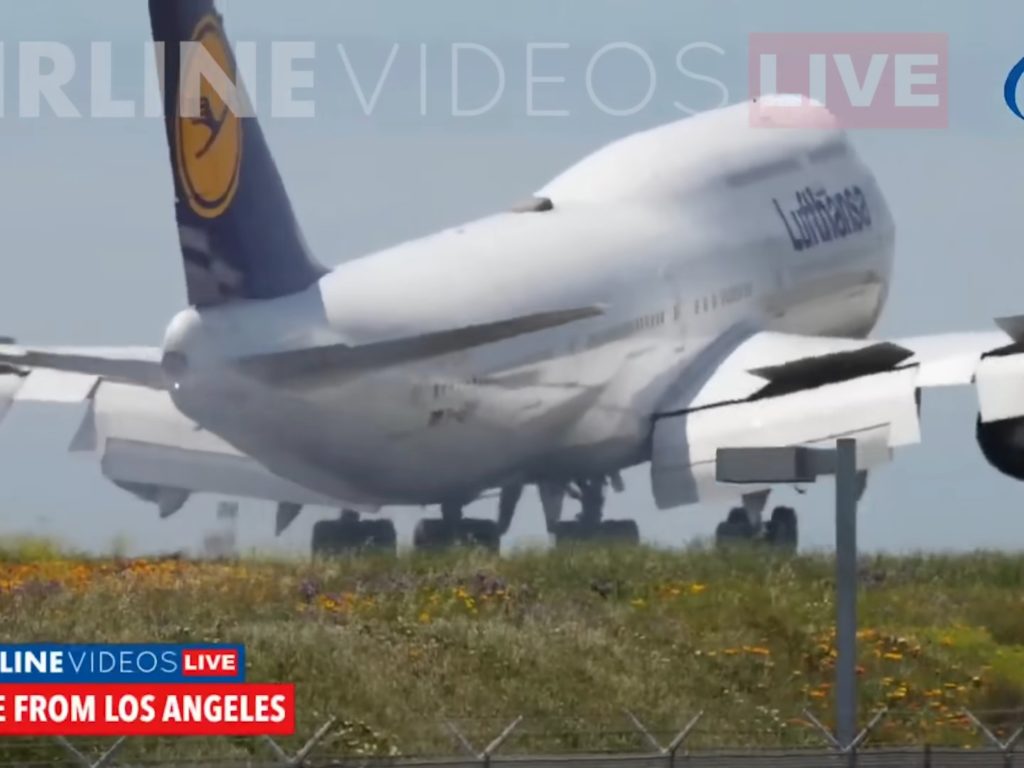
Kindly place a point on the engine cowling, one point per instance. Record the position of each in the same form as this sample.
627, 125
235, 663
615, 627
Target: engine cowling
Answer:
1002, 443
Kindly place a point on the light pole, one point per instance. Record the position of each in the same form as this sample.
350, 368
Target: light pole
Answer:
792, 465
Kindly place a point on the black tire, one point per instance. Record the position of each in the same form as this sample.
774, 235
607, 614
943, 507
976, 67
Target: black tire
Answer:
737, 529
351, 536
380, 537
432, 536
783, 529
323, 538
738, 518
624, 532
485, 534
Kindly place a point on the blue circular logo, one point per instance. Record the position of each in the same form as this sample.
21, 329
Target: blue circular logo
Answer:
1013, 80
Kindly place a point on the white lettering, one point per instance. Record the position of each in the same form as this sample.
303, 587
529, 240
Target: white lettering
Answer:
653, 81
103, 103
370, 104
907, 76
722, 87
457, 110
861, 95
35, 85
533, 79
285, 79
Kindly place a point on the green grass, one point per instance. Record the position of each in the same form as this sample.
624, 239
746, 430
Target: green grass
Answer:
567, 640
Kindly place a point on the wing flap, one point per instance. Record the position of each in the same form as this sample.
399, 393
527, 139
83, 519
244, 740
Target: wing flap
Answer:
879, 410
831, 368
9, 386
767, 364
47, 386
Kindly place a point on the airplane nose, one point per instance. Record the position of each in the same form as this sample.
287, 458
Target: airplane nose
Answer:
184, 337
174, 365
186, 347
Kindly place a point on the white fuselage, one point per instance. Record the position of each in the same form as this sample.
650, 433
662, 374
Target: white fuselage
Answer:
680, 234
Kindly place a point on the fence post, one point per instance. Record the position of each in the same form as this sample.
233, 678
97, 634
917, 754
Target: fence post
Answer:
670, 751
496, 744
485, 756
681, 737
850, 750
85, 762
299, 758
1006, 747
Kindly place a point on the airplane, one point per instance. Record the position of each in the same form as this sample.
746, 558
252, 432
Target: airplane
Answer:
708, 283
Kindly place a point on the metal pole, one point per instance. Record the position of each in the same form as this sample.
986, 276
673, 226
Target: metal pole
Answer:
847, 493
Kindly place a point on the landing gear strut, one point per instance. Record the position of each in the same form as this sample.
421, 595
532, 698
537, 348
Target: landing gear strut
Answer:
589, 524
349, 535
453, 528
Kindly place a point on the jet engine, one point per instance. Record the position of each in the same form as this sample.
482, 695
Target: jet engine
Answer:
1002, 443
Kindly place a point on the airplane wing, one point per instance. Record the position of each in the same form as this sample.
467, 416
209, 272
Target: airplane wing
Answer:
147, 447
766, 389
136, 365
145, 443
142, 366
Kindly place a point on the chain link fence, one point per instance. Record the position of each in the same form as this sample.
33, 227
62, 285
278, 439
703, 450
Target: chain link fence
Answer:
337, 743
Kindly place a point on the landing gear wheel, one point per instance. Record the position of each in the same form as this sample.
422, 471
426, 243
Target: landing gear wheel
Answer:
568, 533
624, 532
737, 528
433, 535
782, 531
350, 536
614, 532
380, 537
437, 535
485, 534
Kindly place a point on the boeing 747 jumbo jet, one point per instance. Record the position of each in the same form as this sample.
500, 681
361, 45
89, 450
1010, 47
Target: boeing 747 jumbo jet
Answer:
705, 284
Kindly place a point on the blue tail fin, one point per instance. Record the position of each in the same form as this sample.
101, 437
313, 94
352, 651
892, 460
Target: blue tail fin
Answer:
239, 236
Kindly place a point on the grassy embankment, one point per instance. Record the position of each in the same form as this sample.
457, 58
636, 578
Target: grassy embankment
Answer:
568, 640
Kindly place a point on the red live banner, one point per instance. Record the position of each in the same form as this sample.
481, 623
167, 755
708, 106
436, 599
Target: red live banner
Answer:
137, 709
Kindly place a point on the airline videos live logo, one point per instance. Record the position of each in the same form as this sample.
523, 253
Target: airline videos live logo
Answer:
116, 664
135, 690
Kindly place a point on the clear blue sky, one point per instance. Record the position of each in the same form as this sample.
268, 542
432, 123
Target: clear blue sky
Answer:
90, 250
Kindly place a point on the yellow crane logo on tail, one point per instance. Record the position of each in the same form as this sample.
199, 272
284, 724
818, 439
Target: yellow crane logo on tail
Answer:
209, 139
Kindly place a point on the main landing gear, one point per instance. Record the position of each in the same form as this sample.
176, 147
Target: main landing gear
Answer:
453, 529
349, 535
589, 525
745, 524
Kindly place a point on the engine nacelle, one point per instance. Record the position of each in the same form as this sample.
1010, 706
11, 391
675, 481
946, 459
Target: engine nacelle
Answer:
1002, 443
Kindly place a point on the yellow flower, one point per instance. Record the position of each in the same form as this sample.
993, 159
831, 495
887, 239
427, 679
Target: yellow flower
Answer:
424, 618
697, 589
892, 656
